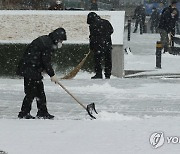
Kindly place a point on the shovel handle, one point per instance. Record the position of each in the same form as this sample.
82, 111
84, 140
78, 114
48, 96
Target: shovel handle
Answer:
89, 108
71, 95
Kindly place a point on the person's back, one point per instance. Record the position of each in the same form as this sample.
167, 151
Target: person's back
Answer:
174, 19
140, 16
154, 19
136, 12
165, 19
155, 16
100, 32
166, 27
33, 60
37, 56
106, 30
142, 12
100, 44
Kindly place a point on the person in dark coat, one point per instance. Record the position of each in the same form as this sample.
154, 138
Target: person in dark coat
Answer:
94, 6
167, 23
139, 16
100, 44
57, 6
154, 19
36, 60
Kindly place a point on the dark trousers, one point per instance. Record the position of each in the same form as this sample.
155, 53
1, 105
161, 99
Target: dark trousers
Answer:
98, 56
34, 89
142, 25
164, 39
153, 27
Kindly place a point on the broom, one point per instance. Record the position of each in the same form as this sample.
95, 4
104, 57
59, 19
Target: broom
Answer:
73, 73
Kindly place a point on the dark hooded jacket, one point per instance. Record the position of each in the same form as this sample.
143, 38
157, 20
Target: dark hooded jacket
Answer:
155, 17
139, 13
100, 32
37, 56
166, 21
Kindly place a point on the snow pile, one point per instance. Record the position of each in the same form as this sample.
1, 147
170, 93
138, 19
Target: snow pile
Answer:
108, 116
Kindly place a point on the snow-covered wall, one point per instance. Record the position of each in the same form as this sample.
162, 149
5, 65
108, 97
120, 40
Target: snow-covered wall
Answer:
24, 26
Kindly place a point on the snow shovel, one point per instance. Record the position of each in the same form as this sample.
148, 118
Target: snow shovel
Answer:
90, 107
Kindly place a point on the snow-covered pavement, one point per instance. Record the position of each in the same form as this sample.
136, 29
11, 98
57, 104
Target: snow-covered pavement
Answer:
131, 110
137, 97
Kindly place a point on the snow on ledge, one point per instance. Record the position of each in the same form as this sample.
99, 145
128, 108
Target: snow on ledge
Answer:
22, 26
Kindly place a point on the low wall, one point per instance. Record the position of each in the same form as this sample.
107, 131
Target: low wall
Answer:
118, 61
64, 60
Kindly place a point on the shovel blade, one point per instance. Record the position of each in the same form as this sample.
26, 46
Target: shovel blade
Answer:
90, 109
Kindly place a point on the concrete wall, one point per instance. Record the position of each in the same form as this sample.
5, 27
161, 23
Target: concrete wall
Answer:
118, 61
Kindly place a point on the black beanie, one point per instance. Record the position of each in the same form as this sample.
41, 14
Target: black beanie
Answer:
58, 34
91, 17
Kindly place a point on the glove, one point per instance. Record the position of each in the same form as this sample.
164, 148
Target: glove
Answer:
54, 79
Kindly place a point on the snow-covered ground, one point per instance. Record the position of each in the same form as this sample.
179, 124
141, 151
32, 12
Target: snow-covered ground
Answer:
130, 110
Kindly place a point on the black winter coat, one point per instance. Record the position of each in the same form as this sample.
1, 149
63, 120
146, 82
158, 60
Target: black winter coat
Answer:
94, 6
100, 34
140, 13
37, 59
166, 21
155, 17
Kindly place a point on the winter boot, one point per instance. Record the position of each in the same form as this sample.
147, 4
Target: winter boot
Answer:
107, 77
44, 115
3, 152
23, 115
165, 49
97, 76
135, 30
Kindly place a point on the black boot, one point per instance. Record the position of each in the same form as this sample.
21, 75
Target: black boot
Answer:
23, 115
44, 115
107, 77
3, 152
135, 31
97, 76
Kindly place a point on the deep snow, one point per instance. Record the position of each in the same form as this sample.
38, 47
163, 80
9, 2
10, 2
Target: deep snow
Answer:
130, 110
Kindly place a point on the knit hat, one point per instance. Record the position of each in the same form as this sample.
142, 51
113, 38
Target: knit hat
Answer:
92, 16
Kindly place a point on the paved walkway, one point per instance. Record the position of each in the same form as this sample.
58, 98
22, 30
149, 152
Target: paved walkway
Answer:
133, 97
